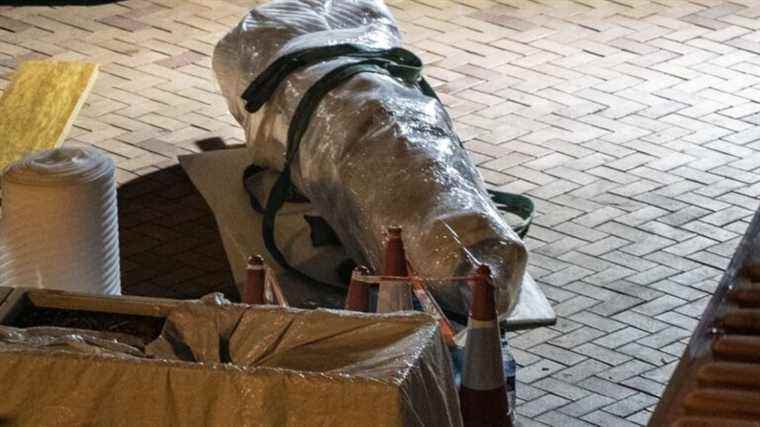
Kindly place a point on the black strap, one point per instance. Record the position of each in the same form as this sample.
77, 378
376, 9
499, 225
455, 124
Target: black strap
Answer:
515, 204
247, 173
404, 64
252, 170
397, 62
297, 129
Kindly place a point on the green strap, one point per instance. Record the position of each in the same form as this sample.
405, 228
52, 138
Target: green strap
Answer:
283, 187
404, 64
397, 62
515, 204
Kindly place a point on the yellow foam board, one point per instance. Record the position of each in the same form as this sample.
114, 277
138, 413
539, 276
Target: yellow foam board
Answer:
40, 104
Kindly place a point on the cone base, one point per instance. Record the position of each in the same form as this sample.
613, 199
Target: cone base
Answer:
485, 408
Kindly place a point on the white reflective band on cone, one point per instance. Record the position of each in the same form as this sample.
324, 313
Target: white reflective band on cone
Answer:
255, 267
482, 367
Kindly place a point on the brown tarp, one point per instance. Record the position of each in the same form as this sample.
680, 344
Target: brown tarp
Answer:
217, 363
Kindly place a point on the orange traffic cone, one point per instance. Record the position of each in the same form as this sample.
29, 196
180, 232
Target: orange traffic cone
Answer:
483, 396
394, 295
358, 291
253, 293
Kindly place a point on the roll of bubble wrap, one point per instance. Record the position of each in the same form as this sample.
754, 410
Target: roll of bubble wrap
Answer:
59, 225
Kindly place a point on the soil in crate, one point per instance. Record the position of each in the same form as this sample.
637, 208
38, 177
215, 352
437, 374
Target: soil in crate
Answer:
143, 327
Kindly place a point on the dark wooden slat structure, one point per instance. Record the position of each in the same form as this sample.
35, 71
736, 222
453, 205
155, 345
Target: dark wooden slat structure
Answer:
717, 381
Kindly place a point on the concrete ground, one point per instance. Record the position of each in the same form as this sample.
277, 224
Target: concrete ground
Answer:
631, 123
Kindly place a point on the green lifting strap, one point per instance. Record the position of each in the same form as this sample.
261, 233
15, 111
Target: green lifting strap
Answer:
515, 204
405, 64
397, 62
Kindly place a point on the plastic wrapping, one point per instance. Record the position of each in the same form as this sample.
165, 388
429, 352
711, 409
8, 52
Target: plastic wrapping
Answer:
377, 152
217, 363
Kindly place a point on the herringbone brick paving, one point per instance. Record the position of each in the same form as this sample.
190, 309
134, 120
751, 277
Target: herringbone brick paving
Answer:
633, 124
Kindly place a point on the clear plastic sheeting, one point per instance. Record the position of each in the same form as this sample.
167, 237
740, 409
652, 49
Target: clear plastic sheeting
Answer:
77, 340
217, 363
377, 151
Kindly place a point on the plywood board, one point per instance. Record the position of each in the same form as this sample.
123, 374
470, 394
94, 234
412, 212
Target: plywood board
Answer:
40, 104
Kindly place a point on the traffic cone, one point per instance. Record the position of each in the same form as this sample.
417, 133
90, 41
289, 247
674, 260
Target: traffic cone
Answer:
482, 395
394, 295
253, 293
358, 291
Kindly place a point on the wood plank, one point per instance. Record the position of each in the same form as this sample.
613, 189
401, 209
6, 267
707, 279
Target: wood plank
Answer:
532, 309
141, 306
4, 292
14, 302
40, 105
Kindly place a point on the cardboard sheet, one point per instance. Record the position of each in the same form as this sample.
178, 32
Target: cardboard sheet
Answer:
218, 175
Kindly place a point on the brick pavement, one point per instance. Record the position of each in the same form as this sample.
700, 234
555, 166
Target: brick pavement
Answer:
632, 123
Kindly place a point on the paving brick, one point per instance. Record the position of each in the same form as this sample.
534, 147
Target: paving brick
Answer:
534, 337
541, 405
641, 418
647, 386
565, 325
631, 261
576, 338
618, 338
558, 354
616, 304
693, 309
609, 275
574, 305
599, 322
648, 245
561, 388
565, 276
538, 370
649, 276
661, 374
605, 419
599, 217
606, 388
649, 354
602, 354
591, 262
674, 289
581, 371
659, 305
685, 323
631, 405
603, 246
554, 418
727, 215
528, 422
587, 404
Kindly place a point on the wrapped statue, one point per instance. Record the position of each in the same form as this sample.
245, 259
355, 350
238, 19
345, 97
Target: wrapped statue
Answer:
327, 96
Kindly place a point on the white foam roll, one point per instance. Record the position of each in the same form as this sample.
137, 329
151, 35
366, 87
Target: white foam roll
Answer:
59, 226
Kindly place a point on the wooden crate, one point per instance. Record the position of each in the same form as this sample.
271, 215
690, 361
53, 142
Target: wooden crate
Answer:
17, 305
